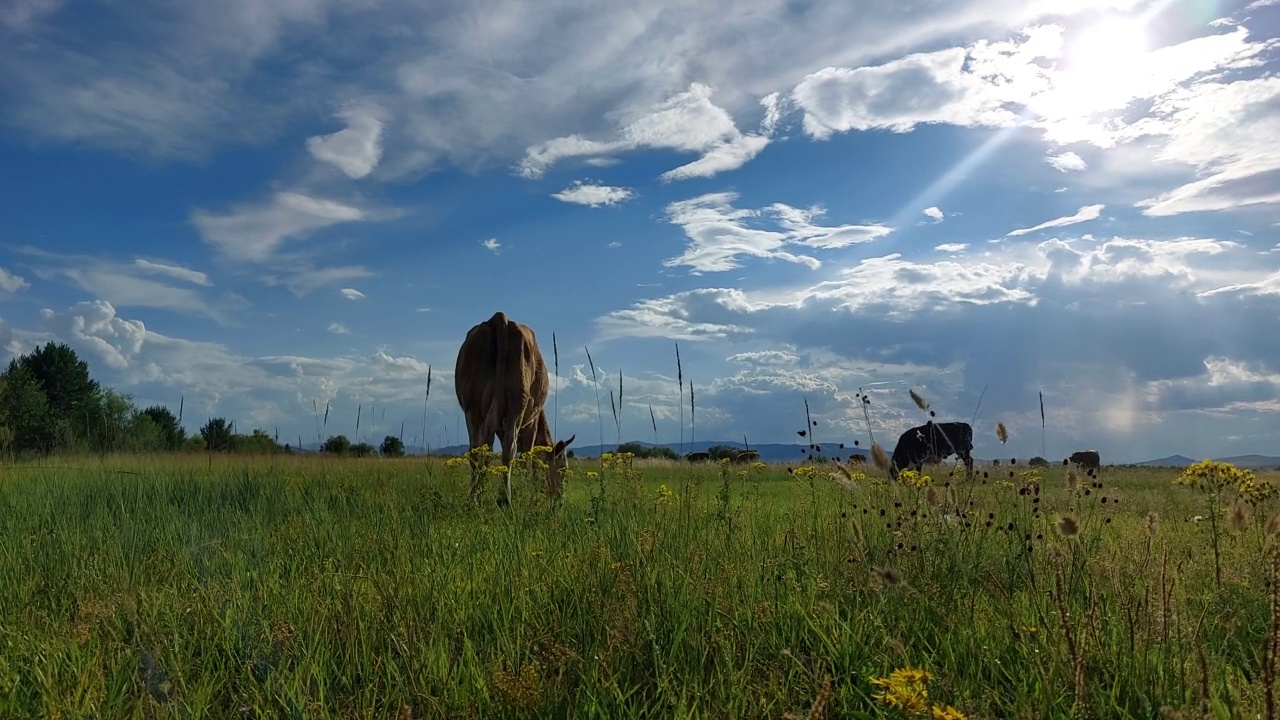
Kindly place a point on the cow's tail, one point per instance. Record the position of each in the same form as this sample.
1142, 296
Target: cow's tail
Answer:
497, 403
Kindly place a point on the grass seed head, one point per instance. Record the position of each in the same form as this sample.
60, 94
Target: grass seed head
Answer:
1001, 433
919, 400
879, 456
1068, 526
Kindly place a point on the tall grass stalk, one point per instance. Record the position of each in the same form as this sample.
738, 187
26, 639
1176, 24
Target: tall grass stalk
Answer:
595, 384
680, 397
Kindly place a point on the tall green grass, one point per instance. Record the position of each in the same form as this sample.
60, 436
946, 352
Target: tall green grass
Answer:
218, 587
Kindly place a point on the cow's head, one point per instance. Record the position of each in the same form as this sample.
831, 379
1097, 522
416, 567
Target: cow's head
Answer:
556, 465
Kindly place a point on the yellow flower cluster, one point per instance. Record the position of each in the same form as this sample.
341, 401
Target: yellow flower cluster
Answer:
1255, 491
1214, 476
807, 472
906, 690
664, 494
911, 478
454, 463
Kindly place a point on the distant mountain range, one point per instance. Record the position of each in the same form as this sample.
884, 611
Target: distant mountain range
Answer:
783, 452
1252, 462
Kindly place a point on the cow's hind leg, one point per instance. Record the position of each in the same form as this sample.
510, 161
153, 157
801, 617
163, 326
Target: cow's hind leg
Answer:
478, 435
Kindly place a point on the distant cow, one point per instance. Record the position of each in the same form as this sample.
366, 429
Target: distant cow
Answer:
931, 443
697, 457
858, 459
501, 382
745, 456
1088, 459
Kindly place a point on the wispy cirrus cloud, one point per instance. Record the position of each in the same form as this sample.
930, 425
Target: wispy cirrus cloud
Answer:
133, 284
685, 122
720, 233
177, 272
255, 232
1084, 214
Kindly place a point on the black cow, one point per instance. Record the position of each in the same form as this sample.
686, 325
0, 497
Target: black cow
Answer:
932, 442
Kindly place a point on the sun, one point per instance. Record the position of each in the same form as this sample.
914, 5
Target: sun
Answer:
1102, 69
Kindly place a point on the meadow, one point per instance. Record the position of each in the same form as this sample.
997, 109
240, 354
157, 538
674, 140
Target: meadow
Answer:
214, 586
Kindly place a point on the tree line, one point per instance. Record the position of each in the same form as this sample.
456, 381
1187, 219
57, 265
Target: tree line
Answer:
50, 404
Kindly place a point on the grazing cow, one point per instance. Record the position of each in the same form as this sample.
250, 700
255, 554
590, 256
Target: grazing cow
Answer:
697, 457
745, 456
858, 459
501, 382
1088, 459
931, 443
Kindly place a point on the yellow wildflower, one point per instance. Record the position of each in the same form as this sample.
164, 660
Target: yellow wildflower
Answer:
941, 712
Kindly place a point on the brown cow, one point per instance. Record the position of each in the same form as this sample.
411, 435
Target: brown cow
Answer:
501, 382
745, 456
1088, 459
697, 457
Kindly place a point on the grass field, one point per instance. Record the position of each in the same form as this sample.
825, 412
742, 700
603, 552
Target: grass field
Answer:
311, 587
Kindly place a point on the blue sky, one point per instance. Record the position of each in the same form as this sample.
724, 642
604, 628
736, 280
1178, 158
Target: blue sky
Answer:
261, 205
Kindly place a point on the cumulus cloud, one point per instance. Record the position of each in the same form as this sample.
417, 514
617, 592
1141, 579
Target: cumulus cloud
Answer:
255, 232
593, 195
95, 327
492, 245
11, 283
356, 149
685, 122
1067, 162
966, 86
1096, 324
720, 233
177, 272
351, 294
270, 389
338, 328
1084, 214
951, 247
933, 213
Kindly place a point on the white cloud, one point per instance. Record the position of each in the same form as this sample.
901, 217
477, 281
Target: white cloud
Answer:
20, 15
130, 285
933, 213
615, 244
1012, 318
195, 277
422, 310
1084, 214
351, 294
685, 122
95, 326
1225, 131
951, 247
593, 195
720, 232
338, 328
12, 283
969, 87
492, 245
302, 279
356, 149
255, 232
268, 389
1067, 162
